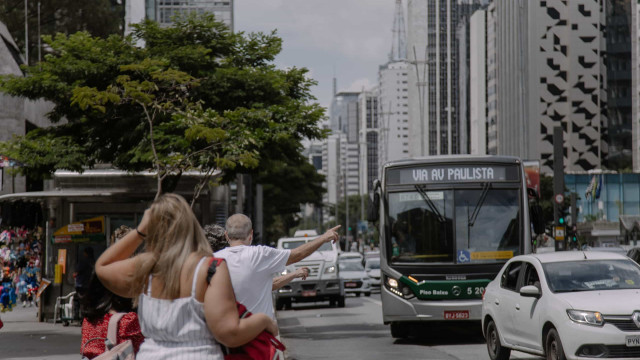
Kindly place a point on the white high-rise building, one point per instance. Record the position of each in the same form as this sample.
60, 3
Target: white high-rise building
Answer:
550, 72
393, 96
163, 10
394, 111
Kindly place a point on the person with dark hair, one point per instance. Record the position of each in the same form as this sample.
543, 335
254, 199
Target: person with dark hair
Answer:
82, 274
98, 306
215, 237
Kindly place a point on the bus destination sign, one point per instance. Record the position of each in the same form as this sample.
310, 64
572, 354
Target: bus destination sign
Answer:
452, 174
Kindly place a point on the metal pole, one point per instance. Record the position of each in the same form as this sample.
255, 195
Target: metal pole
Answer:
558, 178
39, 42
26, 32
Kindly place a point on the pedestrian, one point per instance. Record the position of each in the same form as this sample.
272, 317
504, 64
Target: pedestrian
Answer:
181, 317
99, 306
252, 267
218, 241
82, 275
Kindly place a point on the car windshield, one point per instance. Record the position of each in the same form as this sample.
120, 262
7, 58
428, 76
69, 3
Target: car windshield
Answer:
454, 226
350, 266
591, 275
373, 264
292, 244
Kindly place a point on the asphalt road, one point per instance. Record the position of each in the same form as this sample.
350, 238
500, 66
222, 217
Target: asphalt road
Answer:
22, 338
315, 331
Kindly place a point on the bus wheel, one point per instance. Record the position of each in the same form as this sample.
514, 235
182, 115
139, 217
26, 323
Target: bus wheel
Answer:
495, 348
399, 330
341, 301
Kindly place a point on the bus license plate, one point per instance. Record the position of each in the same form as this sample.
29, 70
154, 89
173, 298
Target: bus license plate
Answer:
350, 284
456, 315
633, 340
308, 293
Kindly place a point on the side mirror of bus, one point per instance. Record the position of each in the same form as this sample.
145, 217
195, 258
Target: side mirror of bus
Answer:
533, 193
374, 208
537, 219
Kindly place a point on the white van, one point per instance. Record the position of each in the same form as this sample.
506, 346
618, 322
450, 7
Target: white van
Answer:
323, 282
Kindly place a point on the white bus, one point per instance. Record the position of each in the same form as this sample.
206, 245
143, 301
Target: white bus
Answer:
447, 225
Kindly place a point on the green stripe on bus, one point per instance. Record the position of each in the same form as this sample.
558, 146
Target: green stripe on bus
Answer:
447, 289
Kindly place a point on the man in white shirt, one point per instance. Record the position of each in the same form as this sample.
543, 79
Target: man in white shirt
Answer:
251, 268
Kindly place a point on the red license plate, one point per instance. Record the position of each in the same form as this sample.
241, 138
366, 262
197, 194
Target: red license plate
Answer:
456, 315
308, 293
350, 284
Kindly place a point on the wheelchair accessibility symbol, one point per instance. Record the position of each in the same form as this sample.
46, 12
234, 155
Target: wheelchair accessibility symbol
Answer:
463, 256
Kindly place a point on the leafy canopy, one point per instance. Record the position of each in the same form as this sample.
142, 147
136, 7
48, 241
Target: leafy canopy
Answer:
196, 97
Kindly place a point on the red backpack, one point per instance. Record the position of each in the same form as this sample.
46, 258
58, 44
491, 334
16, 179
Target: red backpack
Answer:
262, 347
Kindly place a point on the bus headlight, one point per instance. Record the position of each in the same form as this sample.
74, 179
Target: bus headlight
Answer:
330, 270
399, 288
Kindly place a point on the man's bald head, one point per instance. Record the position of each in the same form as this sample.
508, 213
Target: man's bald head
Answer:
238, 227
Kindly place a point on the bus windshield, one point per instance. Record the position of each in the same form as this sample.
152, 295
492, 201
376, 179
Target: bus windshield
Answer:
454, 226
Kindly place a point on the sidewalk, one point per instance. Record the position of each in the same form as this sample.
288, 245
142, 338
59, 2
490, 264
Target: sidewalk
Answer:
23, 338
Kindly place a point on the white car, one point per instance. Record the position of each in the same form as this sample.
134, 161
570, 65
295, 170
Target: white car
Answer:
372, 268
354, 279
564, 305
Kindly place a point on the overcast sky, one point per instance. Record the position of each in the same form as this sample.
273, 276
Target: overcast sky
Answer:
350, 37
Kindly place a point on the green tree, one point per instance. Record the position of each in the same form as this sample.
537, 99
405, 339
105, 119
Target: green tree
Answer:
196, 97
98, 17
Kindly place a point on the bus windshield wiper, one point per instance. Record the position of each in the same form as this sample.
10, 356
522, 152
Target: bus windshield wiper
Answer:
430, 203
476, 210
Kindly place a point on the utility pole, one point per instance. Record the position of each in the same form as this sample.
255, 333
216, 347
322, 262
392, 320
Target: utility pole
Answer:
26, 31
558, 187
346, 210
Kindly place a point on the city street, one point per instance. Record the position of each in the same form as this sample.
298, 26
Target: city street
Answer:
315, 331
23, 338
310, 331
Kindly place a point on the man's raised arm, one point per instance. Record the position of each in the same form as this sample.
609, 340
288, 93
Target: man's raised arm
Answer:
307, 249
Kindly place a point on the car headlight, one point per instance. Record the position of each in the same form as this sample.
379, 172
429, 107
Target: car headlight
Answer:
286, 271
586, 317
329, 270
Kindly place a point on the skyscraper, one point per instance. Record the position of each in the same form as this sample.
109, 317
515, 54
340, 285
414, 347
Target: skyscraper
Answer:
163, 10
433, 52
393, 102
550, 72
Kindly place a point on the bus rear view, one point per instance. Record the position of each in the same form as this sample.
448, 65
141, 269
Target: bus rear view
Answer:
447, 226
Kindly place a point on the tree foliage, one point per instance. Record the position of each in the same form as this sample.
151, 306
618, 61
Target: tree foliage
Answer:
196, 97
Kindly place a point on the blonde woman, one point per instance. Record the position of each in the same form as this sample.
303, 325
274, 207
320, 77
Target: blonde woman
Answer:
181, 316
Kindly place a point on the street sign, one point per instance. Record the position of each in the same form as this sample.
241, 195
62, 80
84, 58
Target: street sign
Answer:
559, 233
559, 198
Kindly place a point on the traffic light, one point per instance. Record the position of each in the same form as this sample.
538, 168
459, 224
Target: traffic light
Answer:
563, 215
349, 228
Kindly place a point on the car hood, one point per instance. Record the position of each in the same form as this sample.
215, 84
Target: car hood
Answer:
321, 256
352, 274
608, 302
374, 273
